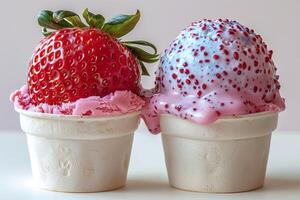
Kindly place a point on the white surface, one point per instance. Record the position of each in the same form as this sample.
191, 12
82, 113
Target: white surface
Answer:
147, 178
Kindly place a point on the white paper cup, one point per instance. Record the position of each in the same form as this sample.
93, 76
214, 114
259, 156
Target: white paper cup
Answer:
229, 155
79, 154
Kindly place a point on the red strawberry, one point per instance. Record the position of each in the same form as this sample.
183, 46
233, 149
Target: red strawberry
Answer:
73, 63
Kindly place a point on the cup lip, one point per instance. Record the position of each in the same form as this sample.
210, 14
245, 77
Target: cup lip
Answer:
75, 117
236, 117
225, 128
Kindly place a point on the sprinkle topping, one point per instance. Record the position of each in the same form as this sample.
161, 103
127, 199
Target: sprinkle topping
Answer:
231, 72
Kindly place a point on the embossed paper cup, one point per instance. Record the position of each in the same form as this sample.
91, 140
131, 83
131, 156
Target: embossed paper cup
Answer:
229, 155
79, 154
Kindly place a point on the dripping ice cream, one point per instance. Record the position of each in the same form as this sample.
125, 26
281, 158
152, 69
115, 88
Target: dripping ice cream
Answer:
214, 69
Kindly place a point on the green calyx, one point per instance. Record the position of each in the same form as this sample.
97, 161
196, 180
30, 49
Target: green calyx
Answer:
117, 27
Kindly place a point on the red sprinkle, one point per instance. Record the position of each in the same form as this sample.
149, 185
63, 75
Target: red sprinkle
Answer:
199, 93
216, 57
236, 55
226, 52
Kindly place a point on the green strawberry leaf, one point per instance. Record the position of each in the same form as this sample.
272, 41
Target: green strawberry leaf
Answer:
144, 69
68, 16
93, 20
45, 19
143, 55
142, 43
45, 32
121, 25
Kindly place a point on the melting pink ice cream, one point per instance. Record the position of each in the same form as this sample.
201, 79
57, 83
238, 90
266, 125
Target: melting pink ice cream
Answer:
214, 69
117, 103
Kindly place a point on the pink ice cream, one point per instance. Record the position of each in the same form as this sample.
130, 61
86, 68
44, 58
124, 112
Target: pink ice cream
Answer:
117, 103
214, 69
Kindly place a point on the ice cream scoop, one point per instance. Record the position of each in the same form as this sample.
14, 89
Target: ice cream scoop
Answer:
117, 103
215, 69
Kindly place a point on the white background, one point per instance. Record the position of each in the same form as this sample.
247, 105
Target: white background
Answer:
277, 21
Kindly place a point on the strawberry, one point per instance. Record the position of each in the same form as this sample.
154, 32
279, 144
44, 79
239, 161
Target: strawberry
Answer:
77, 61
